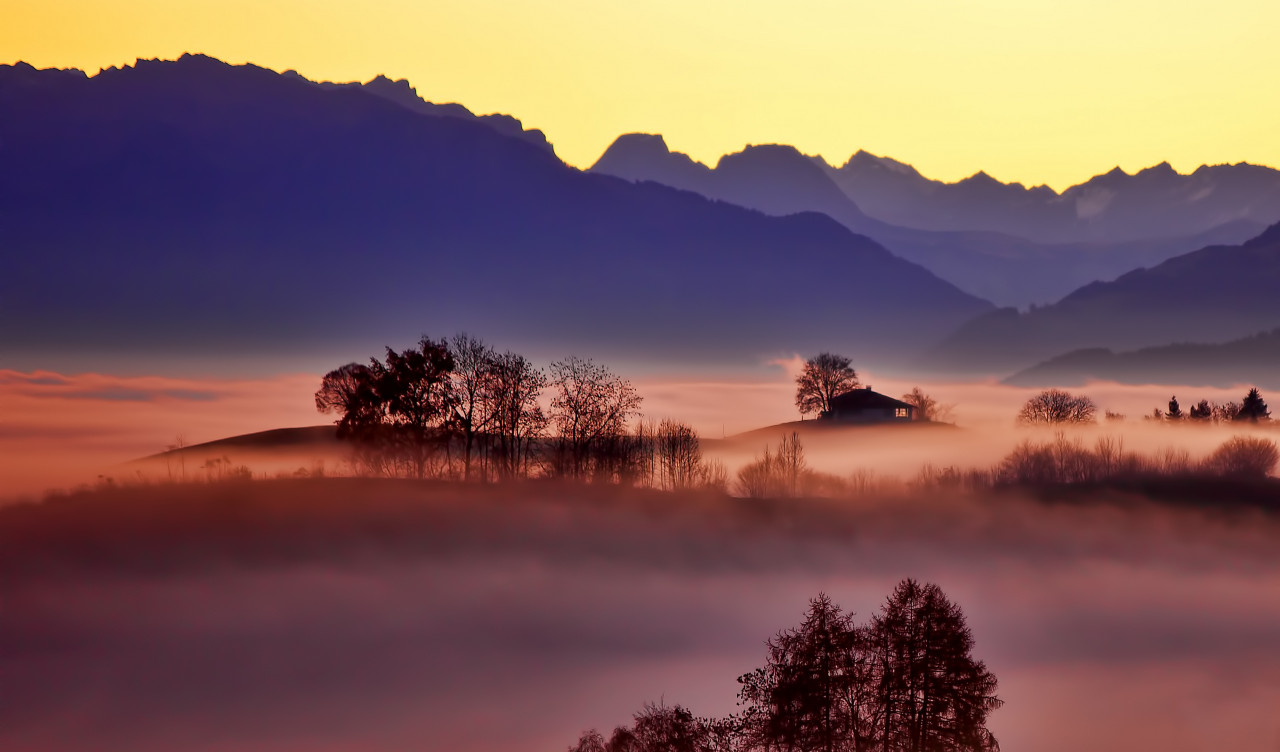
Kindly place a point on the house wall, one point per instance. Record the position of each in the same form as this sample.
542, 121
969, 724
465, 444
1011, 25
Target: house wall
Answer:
877, 415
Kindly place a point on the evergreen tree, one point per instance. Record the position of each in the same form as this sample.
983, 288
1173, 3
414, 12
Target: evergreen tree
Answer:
1254, 408
799, 700
1175, 411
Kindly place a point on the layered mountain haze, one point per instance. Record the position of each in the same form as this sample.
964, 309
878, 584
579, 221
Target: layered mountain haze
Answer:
1251, 360
1213, 295
195, 209
1003, 242
1114, 207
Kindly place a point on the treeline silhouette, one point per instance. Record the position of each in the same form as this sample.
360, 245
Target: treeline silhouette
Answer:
1252, 409
906, 681
1056, 406
457, 409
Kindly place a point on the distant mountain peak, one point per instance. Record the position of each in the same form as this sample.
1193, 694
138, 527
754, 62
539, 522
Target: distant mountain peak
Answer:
863, 160
649, 144
783, 153
1160, 172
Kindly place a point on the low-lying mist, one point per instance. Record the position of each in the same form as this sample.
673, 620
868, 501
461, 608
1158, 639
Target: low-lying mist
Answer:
357, 614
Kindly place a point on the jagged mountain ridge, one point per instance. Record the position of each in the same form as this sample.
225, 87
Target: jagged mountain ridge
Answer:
1153, 203
197, 208
1004, 268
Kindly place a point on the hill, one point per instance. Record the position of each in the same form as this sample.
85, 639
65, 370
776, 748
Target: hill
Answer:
993, 264
1250, 360
196, 209
1207, 296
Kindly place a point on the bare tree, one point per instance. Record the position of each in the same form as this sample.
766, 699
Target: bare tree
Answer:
590, 411
679, 455
790, 464
473, 365
823, 377
927, 409
514, 389
1054, 406
775, 475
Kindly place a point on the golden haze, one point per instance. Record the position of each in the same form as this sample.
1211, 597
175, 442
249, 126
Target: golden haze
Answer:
1036, 91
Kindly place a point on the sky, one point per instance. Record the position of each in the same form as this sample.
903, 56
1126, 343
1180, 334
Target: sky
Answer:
1035, 91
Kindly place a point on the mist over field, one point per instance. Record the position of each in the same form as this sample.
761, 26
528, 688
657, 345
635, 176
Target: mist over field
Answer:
352, 614
382, 395
60, 431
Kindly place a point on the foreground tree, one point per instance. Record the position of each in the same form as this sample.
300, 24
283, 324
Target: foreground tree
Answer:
822, 378
806, 696
930, 694
662, 728
1055, 406
906, 682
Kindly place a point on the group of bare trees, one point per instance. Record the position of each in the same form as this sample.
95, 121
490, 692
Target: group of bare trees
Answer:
904, 682
458, 409
775, 474
1065, 460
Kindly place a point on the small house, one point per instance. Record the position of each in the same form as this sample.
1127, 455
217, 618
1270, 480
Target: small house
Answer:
865, 406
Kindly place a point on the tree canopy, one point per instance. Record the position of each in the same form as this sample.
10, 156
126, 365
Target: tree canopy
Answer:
823, 377
1054, 406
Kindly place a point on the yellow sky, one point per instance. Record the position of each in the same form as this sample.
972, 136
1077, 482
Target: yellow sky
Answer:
1039, 91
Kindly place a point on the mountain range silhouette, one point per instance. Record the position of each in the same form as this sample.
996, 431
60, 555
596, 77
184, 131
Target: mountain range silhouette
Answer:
1006, 243
196, 209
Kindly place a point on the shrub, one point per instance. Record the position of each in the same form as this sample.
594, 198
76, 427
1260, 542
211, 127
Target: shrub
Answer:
1244, 456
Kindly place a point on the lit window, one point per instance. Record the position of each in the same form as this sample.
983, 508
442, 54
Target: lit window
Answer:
902, 412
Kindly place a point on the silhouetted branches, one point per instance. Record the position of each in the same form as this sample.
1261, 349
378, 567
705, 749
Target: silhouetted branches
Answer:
904, 682
822, 378
1054, 406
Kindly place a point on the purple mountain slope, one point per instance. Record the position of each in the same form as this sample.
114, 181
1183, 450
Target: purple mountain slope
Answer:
201, 209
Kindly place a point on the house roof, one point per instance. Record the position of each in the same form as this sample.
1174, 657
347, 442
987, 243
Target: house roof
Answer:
865, 399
